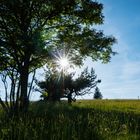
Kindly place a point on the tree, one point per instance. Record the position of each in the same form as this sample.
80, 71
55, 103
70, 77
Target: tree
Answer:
56, 86
31, 29
97, 94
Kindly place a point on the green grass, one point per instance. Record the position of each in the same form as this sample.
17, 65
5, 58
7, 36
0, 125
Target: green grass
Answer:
132, 106
83, 120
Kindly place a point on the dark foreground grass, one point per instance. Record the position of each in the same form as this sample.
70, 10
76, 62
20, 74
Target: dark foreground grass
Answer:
47, 121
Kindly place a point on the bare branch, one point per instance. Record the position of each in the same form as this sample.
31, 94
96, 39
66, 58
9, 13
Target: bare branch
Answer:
31, 84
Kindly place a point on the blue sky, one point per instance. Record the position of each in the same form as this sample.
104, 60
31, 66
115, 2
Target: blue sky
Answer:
121, 77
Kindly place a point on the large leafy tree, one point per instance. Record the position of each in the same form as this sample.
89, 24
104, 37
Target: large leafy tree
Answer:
58, 85
30, 29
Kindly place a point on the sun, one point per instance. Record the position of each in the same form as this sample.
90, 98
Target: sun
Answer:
63, 62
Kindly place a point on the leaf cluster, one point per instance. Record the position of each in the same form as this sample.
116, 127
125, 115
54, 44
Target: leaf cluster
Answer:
31, 29
55, 84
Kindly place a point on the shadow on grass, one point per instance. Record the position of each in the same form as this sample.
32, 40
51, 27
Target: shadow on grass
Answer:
59, 121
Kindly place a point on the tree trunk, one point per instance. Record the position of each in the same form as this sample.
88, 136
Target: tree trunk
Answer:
24, 75
70, 98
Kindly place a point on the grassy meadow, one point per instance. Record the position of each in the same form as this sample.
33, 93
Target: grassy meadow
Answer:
83, 120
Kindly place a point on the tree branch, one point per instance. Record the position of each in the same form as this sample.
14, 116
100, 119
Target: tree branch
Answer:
30, 88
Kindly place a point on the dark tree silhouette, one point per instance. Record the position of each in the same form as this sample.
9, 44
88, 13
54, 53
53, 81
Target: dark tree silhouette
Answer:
58, 87
31, 29
97, 94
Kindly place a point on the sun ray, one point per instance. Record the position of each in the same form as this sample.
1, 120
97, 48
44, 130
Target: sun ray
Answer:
63, 62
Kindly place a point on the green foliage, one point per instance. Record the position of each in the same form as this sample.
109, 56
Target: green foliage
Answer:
31, 29
56, 83
44, 95
53, 85
97, 94
87, 80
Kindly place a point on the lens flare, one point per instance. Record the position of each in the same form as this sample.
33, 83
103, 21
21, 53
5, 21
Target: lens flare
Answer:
63, 62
